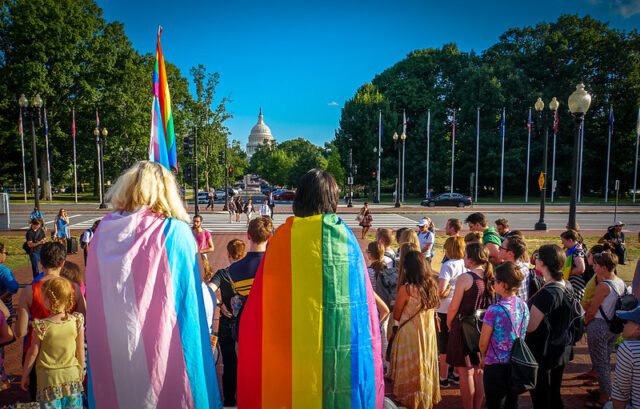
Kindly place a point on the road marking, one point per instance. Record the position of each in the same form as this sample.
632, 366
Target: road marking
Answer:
45, 223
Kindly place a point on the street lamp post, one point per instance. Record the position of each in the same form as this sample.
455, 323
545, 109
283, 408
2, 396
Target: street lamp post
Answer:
543, 121
398, 139
350, 180
579, 103
31, 112
101, 138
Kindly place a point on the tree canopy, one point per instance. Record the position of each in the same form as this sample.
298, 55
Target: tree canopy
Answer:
544, 61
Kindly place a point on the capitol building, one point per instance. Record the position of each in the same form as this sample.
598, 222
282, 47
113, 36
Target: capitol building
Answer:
259, 133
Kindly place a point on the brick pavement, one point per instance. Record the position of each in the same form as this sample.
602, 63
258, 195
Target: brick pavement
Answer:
574, 391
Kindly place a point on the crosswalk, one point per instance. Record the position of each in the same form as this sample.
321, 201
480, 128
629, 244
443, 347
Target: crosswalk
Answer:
219, 222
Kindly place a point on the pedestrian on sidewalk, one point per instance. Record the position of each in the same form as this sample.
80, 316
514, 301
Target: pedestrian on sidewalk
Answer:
474, 291
249, 211
204, 241
231, 208
210, 197
365, 218
547, 323
61, 226
85, 239
35, 238
415, 381
163, 323
601, 311
57, 350
626, 383
503, 322
574, 266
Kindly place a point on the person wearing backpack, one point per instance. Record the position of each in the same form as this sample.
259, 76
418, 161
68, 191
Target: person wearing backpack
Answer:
625, 392
503, 323
548, 322
602, 337
384, 236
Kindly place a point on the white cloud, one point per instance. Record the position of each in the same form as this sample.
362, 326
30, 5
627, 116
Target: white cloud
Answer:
333, 104
627, 8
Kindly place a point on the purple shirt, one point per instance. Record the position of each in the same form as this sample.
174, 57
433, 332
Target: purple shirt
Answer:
517, 312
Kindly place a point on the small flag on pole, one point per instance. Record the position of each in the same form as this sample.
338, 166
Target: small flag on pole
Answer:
162, 146
73, 124
556, 121
502, 120
529, 122
611, 120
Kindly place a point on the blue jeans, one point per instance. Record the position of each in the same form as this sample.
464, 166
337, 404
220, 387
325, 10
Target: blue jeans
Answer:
35, 260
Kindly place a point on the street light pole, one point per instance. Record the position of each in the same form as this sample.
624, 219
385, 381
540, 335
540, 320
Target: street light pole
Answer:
31, 112
350, 203
579, 103
195, 184
543, 120
398, 139
101, 137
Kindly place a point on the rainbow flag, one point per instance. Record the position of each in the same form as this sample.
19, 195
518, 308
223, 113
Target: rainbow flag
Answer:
309, 333
147, 333
162, 146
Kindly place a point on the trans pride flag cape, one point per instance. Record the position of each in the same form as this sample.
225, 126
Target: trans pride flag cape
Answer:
309, 333
147, 335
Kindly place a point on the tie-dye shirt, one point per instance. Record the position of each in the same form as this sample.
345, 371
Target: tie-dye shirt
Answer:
506, 316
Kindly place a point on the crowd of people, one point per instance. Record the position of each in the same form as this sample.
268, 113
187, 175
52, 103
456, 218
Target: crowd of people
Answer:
302, 318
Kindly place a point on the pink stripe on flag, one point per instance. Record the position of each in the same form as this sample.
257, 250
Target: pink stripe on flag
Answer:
158, 322
374, 325
104, 389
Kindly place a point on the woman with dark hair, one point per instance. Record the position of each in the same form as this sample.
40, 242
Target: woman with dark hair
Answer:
474, 291
547, 323
415, 381
365, 219
311, 316
602, 310
574, 265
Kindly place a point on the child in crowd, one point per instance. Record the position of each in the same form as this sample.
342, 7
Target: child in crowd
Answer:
57, 350
72, 272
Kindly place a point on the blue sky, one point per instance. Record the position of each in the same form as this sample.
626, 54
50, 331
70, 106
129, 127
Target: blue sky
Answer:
301, 60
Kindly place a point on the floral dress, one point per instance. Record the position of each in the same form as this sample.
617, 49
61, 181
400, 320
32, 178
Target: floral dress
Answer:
58, 371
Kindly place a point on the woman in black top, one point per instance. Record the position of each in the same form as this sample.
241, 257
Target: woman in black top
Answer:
222, 284
549, 320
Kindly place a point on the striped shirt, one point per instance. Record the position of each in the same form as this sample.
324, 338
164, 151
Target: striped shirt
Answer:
523, 291
626, 383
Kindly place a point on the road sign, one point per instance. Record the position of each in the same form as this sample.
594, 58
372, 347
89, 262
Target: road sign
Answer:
350, 180
617, 184
541, 180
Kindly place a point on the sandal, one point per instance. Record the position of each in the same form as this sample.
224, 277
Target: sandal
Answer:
594, 394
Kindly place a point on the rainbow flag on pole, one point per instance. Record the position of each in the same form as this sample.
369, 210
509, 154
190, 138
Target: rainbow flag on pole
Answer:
162, 146
309, 333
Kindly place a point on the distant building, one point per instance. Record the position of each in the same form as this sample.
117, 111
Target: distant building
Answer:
259, 133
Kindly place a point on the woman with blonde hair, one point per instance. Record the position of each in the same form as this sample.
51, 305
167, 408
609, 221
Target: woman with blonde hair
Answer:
143, 270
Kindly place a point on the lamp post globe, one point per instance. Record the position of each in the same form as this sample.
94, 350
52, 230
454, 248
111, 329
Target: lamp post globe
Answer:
579, 103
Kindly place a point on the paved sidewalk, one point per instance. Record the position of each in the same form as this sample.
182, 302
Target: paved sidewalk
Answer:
574, 392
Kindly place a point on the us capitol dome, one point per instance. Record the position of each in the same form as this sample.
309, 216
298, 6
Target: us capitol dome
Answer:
259, 133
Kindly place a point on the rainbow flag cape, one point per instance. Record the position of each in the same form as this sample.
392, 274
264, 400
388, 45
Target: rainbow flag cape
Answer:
309, 333
162, 146
147, 335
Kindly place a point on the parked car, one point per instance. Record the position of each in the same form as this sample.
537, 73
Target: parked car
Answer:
284, 195
203, 197
447, 199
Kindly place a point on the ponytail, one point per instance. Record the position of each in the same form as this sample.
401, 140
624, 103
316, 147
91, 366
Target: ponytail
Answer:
489, 278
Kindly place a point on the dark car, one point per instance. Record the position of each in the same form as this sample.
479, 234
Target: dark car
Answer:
284, 195
447, 199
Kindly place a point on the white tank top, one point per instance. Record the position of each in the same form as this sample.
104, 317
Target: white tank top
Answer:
616, 287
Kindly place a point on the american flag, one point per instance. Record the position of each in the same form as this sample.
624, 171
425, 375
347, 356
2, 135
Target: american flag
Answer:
73, 124
611, 121
529, 122
502, 120
556, 121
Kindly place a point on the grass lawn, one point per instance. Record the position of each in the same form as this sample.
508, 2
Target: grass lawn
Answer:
16, 256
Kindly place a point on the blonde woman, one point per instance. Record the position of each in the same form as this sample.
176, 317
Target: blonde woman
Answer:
143, 273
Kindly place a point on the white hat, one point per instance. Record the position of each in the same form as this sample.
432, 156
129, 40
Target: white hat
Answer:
422, 222
618, 223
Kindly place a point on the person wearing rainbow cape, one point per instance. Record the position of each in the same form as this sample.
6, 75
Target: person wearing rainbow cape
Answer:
309, 335
147, 332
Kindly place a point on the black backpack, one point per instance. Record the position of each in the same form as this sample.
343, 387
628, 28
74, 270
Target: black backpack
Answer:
624, 302
386, 283
575, 328
523, 368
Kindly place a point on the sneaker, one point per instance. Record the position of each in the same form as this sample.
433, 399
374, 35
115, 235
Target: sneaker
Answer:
444, 383
453, 378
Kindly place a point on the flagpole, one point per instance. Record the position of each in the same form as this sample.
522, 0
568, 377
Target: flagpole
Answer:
75, 167
46, 138
526, 179
404, 131
24, 167
428, 148
606, 185
379, 151
98, 151
453, 146
502, 130
477, 151
635, 172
